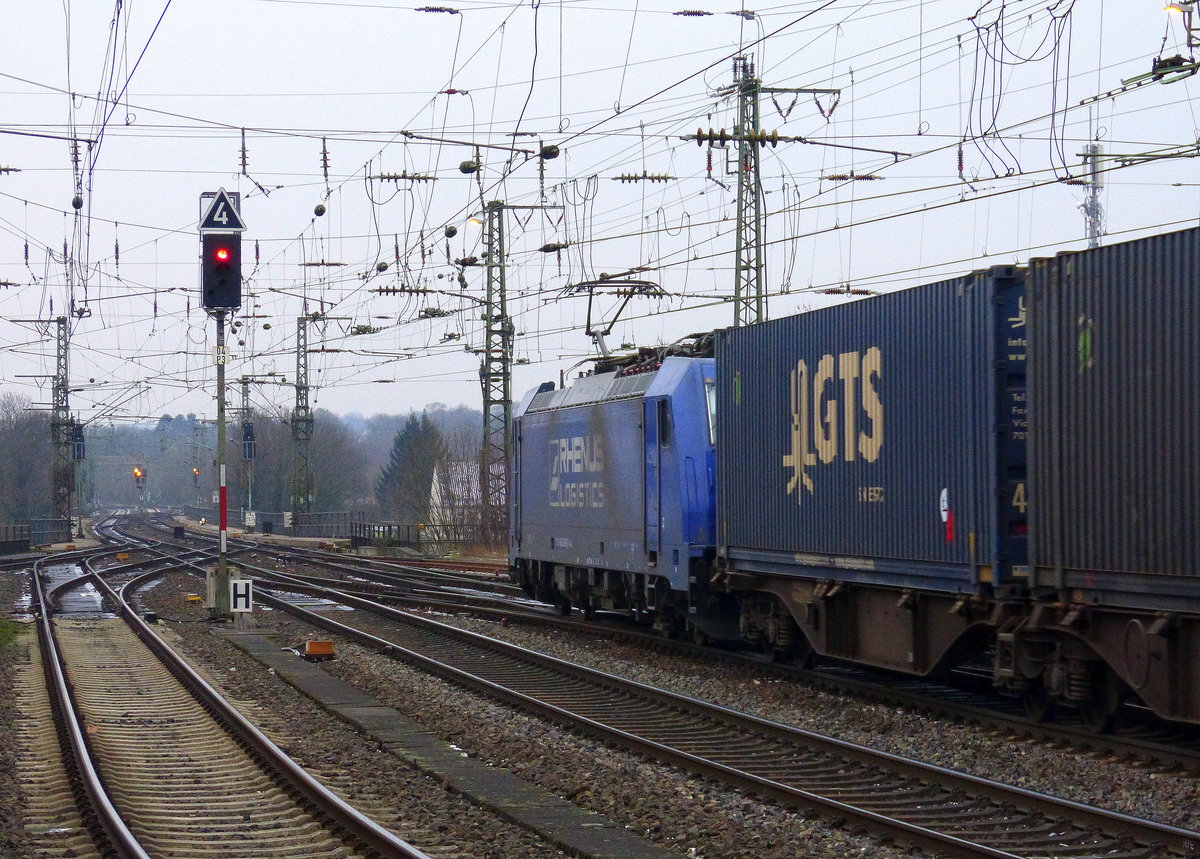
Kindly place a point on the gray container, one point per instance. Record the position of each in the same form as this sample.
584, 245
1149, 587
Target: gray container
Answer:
1115, 455
880, 441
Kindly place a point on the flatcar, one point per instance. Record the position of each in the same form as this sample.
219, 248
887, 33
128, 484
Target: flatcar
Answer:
998, 470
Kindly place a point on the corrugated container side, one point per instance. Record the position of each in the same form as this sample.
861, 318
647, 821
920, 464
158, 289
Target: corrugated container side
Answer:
1114, 387
863, 436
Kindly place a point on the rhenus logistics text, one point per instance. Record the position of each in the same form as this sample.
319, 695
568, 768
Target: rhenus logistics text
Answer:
576, 472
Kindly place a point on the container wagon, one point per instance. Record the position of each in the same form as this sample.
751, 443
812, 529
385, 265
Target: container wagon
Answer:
1115, 477
872, 473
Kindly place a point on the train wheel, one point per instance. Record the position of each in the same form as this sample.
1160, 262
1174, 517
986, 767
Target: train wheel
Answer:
802, 655
769, 650
1099, 713
1039, 706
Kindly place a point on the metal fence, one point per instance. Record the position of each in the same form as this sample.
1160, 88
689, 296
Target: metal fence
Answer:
43, 531
385, 535
14, 539
331, 524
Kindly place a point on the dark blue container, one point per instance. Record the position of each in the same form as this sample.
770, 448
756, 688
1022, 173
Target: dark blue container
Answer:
1114, 387
880, 441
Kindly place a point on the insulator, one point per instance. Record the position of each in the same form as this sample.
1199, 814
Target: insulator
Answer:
643, 177
712, 137
405, 175
465, 261
468, 167
551, 247
549, 152
445, 9
692, 13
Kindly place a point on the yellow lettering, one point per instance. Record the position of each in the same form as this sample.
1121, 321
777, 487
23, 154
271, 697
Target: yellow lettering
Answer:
848, 372
1018, 500
799, 457
869, 444
824, 421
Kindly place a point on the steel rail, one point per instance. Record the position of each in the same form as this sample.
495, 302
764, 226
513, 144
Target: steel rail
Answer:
1178, 749
343, 815
109, 830
1149, 834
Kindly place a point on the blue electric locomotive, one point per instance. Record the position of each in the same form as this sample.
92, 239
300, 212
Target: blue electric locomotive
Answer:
613, 493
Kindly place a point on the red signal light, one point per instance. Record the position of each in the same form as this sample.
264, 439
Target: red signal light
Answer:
222, 254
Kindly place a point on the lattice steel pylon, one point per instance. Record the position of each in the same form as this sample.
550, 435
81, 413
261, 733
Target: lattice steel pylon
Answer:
302, 429
748, 292
495, 374
62, 470
1093, 211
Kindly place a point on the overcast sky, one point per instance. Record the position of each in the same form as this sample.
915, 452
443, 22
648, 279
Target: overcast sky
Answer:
322, 100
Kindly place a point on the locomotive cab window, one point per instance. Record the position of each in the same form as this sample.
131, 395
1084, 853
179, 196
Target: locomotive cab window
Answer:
664, 422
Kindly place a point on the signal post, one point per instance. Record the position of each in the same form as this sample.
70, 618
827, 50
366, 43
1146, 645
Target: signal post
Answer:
221, 230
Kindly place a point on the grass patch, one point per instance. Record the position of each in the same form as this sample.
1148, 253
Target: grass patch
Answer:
8, 632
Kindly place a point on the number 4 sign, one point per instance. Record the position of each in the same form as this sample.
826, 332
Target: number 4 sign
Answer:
222, 215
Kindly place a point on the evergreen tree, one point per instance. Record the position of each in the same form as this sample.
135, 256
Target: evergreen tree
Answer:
405, 483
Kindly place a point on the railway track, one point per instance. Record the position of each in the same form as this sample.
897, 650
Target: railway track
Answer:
161, 765
409, 585
938, 810
944, 812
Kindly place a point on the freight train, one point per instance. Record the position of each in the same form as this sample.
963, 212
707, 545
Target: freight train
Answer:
1000, 471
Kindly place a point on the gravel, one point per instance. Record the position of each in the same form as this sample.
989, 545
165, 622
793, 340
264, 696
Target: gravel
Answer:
417, 807
678, 811
12, 831
1135, 789
671, 807
689, 815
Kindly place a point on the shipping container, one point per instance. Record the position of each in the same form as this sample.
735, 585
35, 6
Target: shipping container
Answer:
879, 442
1115, 452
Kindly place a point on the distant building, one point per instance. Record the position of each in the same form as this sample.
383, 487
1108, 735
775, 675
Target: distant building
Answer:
455, 503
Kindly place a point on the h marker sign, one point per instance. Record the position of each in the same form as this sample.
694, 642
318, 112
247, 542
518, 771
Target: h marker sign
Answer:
241, 595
